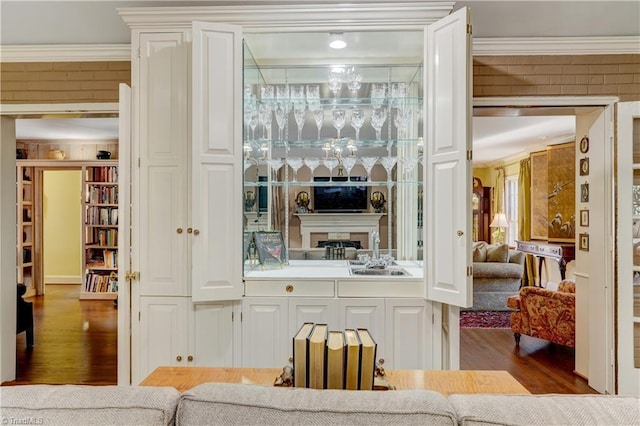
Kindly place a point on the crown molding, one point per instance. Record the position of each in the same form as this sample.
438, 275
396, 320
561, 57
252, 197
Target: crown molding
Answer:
481, 47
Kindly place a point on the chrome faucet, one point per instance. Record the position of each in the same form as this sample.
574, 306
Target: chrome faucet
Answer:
375, 240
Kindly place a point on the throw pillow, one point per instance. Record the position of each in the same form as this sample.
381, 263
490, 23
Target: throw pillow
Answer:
498, 253
480, 251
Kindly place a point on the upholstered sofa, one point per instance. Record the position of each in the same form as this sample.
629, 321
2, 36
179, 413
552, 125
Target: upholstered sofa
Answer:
545, 314
497, 274
243, 404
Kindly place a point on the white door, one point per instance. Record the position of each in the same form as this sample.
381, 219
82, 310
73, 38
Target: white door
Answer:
265, 341
211, 335
365, 313
124, 236
408, 333
447, 180
627, 246
216, 183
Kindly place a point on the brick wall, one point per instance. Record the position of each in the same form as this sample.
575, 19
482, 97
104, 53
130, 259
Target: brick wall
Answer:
551, 75
62, 82
558, 75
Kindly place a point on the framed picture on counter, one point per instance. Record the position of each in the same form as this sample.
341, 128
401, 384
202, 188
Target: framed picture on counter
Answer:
270, 247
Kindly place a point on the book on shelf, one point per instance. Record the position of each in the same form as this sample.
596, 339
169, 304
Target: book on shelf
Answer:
316, 356
352, 359
367, 359
335, 360
300, 355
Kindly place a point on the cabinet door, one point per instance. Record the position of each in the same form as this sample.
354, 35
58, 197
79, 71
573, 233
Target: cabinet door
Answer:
161, 127
365, 313
212, 335
217, 162
265, 341
317, 311
408, 334
163, 336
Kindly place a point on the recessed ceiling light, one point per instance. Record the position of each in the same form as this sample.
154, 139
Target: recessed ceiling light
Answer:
336, 41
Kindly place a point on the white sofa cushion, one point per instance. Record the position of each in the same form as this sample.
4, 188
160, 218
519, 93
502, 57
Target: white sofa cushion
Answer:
88, 405
244, 404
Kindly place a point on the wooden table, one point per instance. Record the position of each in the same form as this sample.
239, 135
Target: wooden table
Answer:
444, 381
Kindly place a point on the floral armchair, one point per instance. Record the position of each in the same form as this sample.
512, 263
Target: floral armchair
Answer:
545, 314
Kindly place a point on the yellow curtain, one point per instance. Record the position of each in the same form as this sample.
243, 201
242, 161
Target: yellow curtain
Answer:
524, 216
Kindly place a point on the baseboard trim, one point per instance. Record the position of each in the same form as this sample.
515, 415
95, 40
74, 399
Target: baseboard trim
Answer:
63, 279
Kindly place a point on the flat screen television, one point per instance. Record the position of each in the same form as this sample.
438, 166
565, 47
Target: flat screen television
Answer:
340, 198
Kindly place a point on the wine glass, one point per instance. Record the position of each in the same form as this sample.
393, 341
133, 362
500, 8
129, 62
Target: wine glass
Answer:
410, 163
295, 163
388, 163
281, 118
398, 93
378, 94
348, 163
401, 119
264, 113
312, 163
330, 163
338, 119
253, 122
267, 95
368, 163
318, 116
335, 84
299, 114
378, 117
313, 94
354, 82
297, 94
275, 164
357, 120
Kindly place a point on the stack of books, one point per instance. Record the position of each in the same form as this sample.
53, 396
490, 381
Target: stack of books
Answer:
324, 359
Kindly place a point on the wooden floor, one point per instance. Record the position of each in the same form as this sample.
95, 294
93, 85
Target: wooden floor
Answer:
76, 342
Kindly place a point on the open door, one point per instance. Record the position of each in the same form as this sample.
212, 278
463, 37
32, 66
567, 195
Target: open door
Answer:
217, 162
448, 160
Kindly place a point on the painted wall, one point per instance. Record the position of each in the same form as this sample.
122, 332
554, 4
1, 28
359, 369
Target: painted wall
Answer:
62, 226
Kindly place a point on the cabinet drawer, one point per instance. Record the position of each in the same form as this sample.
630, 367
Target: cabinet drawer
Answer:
380, 288
292, 288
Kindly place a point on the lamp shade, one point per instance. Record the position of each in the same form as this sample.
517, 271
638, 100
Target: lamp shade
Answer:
499, 221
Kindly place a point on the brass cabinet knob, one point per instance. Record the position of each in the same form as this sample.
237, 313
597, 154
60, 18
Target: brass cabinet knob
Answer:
196, 232
290, 359
179, 230
381, 361
289, 288
189, 230
460, 233
190, 358
178, 358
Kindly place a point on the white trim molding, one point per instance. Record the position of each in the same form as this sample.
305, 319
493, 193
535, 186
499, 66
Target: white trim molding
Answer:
555, 46
63, 279
66, 53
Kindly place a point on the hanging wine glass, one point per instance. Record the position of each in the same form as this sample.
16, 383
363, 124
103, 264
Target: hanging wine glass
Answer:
338, 118
368, 163
357, 120
264, 114
378, 117
410, 163
378, 94
388, 163
318, 116
335, 84
253, 122
295, 163
354, 82
330, 163
348, 163
275, 164
312, 163
281, 118
299, 114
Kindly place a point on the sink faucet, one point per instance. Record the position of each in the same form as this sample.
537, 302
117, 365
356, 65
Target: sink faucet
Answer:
375, 243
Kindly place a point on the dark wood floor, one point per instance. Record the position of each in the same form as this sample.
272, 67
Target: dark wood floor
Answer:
76, 342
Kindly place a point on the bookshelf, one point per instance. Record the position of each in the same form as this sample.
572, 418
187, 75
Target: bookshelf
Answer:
100, 230
25, 221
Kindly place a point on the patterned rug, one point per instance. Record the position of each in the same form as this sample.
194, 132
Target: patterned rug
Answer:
484, 319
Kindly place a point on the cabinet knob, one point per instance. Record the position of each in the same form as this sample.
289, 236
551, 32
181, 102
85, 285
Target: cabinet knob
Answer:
179, 230
291, 359
196, 232
178, 358
289, 288
381, 361
460, 233
189, 230
190, 358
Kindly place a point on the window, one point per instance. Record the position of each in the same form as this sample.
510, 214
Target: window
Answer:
511, 204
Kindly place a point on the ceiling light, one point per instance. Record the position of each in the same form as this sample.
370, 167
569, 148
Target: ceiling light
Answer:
336, 41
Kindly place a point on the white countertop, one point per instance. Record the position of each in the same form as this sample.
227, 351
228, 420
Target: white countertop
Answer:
330, 269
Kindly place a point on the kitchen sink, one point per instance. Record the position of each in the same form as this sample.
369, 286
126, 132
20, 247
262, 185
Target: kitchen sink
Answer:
378, 272
362, 263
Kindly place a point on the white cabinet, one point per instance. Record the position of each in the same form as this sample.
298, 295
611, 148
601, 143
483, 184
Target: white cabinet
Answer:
365, 313
408, 334
176, 332
265, 341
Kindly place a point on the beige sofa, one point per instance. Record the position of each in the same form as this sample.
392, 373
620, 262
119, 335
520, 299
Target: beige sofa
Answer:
241, 404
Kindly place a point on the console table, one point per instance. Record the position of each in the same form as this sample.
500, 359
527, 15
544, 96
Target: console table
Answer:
336, 222
446, 382
562, 253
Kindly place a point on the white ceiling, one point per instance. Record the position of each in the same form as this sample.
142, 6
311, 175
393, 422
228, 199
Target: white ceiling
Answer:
98, 22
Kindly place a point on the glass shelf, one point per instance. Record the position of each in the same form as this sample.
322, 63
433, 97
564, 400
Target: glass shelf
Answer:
328, 184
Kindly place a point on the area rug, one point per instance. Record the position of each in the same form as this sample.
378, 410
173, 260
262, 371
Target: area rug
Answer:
485, 319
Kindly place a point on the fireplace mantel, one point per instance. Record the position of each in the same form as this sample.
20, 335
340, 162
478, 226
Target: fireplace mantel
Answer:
336, 222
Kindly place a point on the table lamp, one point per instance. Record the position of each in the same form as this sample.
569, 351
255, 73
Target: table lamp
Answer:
499, 221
